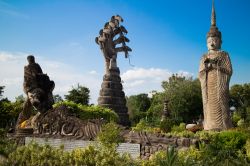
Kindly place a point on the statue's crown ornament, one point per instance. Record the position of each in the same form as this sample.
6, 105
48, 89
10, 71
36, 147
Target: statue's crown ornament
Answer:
214, 31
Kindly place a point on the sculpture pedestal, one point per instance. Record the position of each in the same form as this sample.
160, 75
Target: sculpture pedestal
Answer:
113, 97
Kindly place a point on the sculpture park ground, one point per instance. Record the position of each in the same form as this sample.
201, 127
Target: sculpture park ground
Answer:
192, 122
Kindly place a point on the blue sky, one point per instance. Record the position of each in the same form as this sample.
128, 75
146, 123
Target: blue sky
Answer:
166, 37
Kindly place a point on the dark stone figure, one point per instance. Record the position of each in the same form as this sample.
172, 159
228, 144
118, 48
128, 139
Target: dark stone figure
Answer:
111, 94
38, 88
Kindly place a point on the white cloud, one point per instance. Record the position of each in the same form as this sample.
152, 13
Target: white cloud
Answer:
6, 56
93, 72
142, 73
142, 80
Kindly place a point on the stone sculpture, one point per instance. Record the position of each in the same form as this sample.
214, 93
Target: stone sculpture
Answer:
107, 42
60, 121
38, 88
111, 94
165, 113
214, 74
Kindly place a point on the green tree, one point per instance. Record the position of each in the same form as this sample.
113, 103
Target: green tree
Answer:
20, 98
240, 95
9, 112
79, 95
184, 96
156, 106
1, 91
137, 106
1, 94
240, 99
57, 98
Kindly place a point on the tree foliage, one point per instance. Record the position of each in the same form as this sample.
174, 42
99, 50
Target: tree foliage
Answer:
89, 112
79, 95
1, 91
184, 100
9, 111
184, 96
240, 94
57, 98
138, 106
240, 99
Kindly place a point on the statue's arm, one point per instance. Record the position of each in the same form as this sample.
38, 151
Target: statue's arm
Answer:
224, 64
39, 69
30, 77
202, 68
28, 80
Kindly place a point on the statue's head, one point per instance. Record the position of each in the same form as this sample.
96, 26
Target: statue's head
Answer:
214, 35
214, 39
31, 59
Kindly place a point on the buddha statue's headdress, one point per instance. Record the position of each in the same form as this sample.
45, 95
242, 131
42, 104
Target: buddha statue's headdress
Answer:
214, 31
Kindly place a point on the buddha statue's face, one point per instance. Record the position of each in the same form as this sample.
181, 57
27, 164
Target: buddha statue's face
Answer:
213, 43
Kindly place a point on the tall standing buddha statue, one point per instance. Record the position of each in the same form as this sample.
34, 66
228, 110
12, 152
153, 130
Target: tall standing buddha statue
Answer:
214, 74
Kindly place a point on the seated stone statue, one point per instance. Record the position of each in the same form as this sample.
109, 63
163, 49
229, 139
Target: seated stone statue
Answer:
38, 88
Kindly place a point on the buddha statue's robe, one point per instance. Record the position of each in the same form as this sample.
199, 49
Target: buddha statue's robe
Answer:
214, 74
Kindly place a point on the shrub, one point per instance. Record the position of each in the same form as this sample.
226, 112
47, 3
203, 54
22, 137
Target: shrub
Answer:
205, 135
229, 140
247, 147
144, 126
184, 133
235, 118
241, 123
34, 154
191, 156
7, 146
2, 132
141, 126
83, 156
109, 135
166, 125
180, 128
163, 158
89, 112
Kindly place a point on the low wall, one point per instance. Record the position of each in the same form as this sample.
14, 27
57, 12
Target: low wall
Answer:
153, 142
138, 144
70, 144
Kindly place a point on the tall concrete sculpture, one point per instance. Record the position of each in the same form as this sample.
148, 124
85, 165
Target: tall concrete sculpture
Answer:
111, 94
38, 88
214, 74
